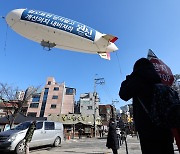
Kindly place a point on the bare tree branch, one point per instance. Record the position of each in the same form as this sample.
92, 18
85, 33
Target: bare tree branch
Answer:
8, 93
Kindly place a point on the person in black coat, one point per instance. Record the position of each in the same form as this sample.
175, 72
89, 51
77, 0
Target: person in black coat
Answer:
80, 131
139, 85
112, 139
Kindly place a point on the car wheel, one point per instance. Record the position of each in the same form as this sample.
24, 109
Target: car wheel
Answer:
20, 148
57, 142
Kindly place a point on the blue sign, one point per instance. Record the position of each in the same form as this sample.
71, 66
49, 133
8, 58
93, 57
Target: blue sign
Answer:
59, 22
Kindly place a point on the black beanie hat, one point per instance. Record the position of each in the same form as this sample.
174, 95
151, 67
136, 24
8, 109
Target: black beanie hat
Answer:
142, 62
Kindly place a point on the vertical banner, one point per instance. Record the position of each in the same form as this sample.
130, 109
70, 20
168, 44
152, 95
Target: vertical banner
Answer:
163, 70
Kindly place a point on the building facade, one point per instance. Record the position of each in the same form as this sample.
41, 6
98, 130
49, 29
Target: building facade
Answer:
54, 98
126, 113
106, 112
20, 95
89, 104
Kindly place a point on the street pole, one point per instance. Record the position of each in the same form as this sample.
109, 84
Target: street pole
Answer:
94, 108
96, 81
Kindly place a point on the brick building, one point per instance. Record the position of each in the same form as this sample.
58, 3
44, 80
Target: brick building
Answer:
55, 98
106, 112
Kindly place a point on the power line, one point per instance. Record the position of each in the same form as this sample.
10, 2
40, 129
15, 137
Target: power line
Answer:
5, 43
119, 64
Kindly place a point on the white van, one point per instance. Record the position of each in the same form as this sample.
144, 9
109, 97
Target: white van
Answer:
46, 133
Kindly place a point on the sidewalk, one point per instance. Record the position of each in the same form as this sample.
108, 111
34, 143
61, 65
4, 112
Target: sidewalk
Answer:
133, 146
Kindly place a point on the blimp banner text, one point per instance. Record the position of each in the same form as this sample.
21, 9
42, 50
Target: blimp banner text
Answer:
59, 22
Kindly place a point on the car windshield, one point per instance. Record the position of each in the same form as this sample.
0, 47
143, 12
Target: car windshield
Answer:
22, 126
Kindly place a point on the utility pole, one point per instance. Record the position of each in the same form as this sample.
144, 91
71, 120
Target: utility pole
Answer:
96, 81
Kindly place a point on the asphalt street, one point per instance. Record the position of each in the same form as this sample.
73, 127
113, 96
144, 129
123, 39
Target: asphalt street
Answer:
90, 146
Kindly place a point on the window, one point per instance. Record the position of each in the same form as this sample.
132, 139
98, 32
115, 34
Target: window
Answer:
86, 102
108, 111
56, 88
42, 113
23, 126
69, 91
44, 102
44, 97
49, 125
34, 105
89, 107
49, 82
46, 91
103, 116
53, 106
43, 106
39, 125
32, 114
54, 97
35, 98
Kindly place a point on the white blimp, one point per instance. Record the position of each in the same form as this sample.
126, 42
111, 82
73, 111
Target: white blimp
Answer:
55, 31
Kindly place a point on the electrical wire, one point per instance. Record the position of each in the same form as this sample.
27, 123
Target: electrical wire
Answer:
119, 64
5, 43
106, 89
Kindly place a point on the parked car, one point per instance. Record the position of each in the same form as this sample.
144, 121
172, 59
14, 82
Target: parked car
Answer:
46, 133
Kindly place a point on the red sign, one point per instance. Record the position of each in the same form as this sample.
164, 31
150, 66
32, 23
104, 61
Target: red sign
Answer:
163, 70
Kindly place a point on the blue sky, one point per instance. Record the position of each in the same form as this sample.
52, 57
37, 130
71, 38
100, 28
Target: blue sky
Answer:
140, 25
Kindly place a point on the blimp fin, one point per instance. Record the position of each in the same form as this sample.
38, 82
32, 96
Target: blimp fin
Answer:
105, 55
47, 45
110, 38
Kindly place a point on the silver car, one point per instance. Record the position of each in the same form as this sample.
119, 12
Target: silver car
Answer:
46, 133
